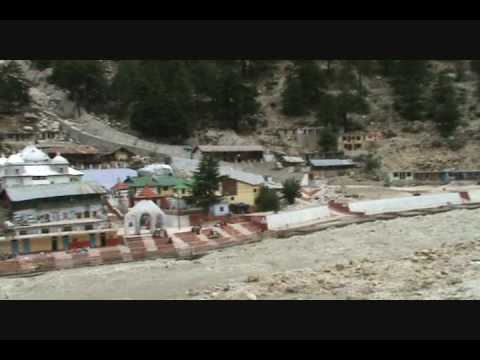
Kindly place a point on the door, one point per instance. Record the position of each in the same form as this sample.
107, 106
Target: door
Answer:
26, 246
93, 241
66, 243
15, 249
103, 240
54, 244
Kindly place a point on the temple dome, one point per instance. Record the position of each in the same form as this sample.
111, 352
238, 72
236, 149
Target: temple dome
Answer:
15, 159
32, 154
59, 160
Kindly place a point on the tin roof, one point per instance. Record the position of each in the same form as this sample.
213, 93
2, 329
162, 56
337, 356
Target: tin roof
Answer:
25, 193
293, 159
70, 150
191, 166
331, 162
108, 177
242, 176
230, 148
153, 181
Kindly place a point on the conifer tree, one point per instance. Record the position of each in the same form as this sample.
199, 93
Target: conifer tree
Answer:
206, 182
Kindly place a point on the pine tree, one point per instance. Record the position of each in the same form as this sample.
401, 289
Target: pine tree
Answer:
234, 100
84, 79
303, 89
348, 103
312, 81
291, 190
267, 200
161, 116
328, 112
293, 99
13, 87
206, 182
410, 81
445, 110
328, 139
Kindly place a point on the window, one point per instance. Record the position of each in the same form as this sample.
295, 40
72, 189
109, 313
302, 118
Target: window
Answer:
86, 214
94, 214
409, 174
67, 229
89, 227
165, 188
39, 178
254, 190
232, 198
183, 191
61, 170
222, 209
17, 171
395, 174
23, 232
45, 231
79, 215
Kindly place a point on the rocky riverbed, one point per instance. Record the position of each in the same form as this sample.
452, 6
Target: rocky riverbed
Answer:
425, 257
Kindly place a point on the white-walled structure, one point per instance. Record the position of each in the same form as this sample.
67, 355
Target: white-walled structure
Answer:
291, 219
372, 207
32, 166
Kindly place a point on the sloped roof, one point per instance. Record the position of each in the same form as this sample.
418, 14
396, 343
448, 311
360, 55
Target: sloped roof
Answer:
25, 193
108, 177
70, 150
145, 206
293, 159
331, 162
242, 176
153, 181
191, 165
147, 192
120, 186
229, 148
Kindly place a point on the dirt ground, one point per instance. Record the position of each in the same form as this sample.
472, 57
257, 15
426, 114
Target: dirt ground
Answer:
429, 257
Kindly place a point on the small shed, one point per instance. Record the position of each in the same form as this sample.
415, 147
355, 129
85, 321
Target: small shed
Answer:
230, 152
330, 167
220, 209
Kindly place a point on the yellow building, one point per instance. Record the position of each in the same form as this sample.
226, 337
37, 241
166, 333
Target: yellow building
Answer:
240, 187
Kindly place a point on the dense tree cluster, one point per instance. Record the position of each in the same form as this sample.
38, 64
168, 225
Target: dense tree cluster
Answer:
175, 97
169, 99
445, 111
13, 87
307, 91
84, 79
410, 80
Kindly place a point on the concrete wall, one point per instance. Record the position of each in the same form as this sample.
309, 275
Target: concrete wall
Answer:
171, 221
474, 196
290, 219
405, 203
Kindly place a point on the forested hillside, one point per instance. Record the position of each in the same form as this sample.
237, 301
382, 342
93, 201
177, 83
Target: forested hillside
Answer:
172, 100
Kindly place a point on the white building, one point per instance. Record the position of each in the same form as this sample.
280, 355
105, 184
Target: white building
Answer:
32, 166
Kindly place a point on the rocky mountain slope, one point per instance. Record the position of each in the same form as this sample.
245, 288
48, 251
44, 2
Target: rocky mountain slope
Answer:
410, 145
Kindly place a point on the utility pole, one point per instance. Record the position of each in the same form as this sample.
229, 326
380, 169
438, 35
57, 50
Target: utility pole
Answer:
178, 211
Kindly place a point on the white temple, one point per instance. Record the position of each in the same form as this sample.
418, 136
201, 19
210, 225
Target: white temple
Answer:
32, 166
